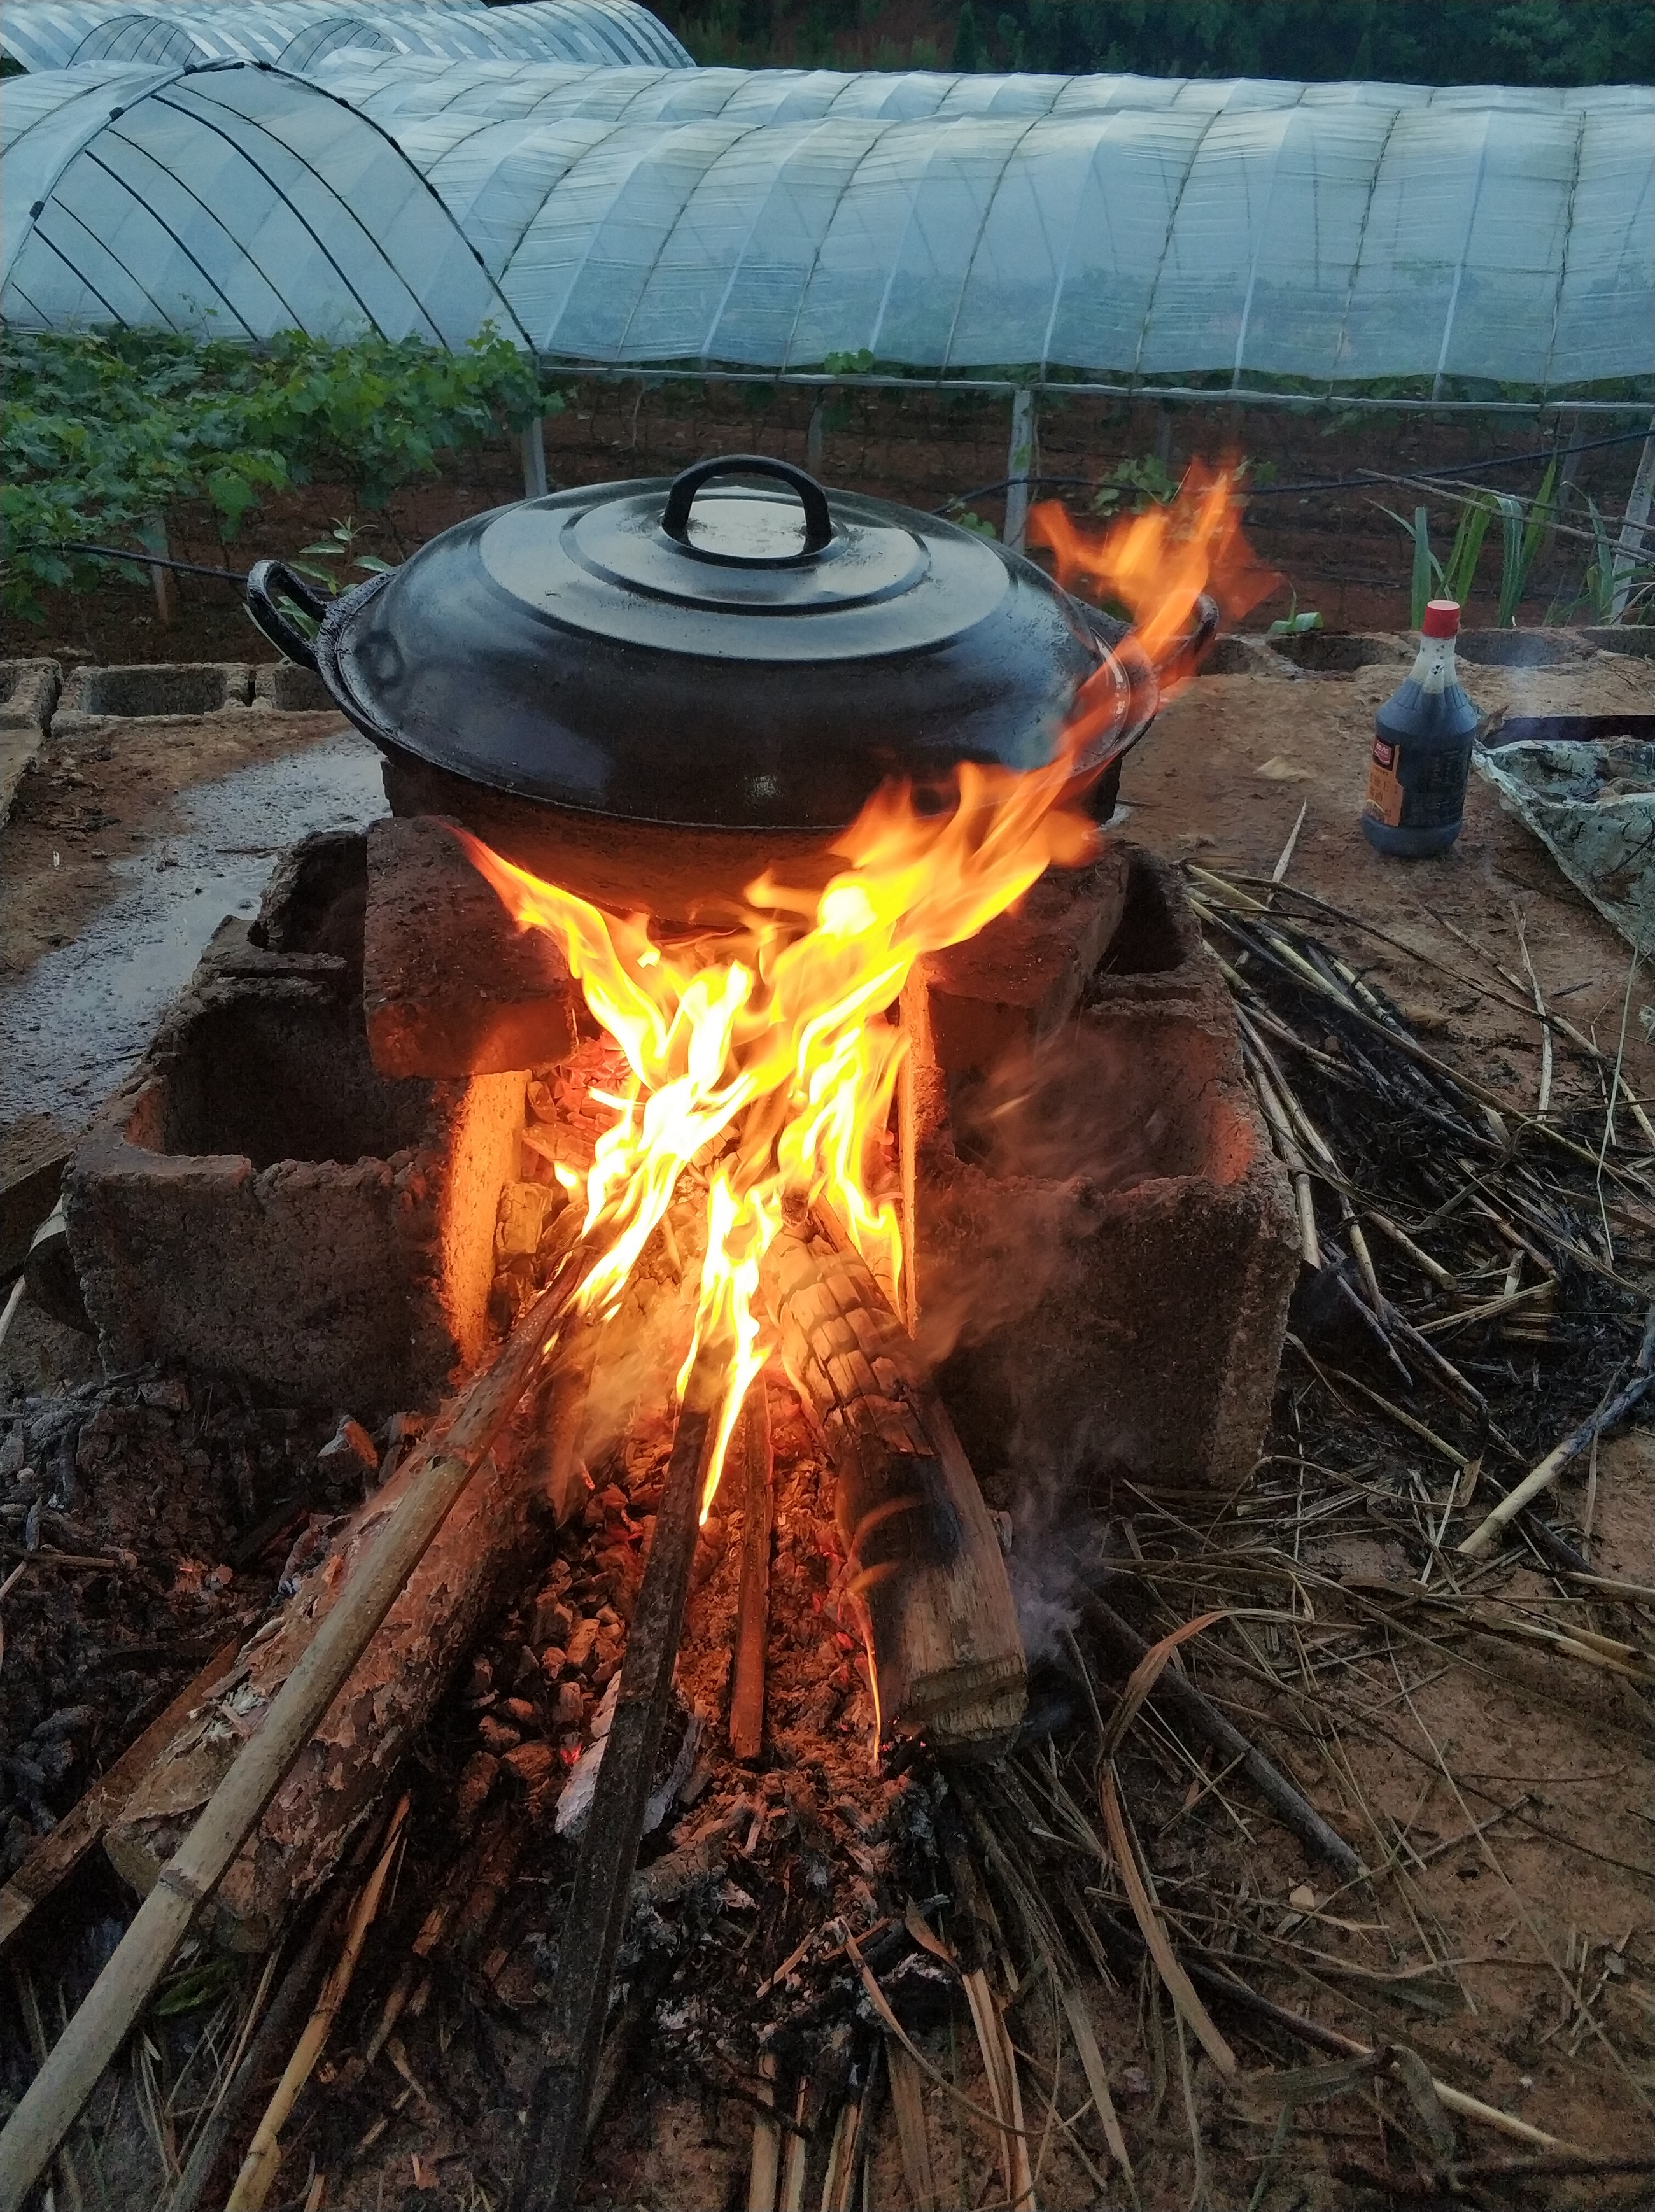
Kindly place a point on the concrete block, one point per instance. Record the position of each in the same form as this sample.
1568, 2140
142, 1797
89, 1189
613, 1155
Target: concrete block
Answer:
1341, 652
299, 697
316, 900
258, 1200
452, 986
1018, 978
1242, 656
1105, 1240
28, 691
102, 704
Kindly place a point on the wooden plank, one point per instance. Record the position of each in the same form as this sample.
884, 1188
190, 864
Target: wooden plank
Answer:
753, 1606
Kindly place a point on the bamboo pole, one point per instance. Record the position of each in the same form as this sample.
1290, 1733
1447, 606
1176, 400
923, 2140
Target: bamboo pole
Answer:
116, 2002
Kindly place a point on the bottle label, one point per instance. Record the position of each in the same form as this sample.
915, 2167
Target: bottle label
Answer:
1416, 789
1384, 793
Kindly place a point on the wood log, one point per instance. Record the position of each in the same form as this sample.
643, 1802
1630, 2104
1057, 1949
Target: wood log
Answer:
353, 1754
926, 1569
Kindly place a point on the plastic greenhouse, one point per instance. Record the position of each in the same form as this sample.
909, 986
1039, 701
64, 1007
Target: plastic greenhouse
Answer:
46, 34
1113, 232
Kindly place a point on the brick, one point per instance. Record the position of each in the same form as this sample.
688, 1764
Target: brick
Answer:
450, 986
1019, 978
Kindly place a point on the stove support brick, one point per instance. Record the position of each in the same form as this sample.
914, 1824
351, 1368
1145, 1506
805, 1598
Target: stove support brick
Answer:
452, 986
1106, 1242
258, 1200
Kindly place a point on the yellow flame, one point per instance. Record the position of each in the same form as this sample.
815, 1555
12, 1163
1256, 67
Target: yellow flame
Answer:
766, 1053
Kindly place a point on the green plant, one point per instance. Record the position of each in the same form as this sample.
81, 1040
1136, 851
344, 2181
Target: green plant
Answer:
1133, 485
104, 432
969, 519
1292, 623
1524, 523
338, 549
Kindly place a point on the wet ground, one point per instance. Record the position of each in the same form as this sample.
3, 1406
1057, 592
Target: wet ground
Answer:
101, 925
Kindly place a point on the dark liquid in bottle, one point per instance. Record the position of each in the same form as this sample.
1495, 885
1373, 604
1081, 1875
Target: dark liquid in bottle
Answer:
1421, 756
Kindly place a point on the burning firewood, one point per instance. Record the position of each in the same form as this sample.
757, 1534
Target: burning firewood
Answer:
927, 1572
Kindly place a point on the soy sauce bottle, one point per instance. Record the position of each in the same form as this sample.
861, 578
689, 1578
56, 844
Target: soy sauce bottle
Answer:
1422, 749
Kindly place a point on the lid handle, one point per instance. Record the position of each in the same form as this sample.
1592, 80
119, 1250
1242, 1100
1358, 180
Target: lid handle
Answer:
818, 522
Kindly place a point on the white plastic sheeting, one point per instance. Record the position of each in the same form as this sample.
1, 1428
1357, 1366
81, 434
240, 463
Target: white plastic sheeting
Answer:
231, 201
44, 34
1120, 227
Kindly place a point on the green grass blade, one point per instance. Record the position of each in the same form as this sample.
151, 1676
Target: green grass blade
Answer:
1511, 557
1419, 591
1599, 585
1461, 569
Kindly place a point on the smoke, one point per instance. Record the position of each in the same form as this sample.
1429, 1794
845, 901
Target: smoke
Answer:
1104, 1105
1056, 1546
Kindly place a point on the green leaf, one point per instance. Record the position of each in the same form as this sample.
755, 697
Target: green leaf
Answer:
1510, 508
1461, 567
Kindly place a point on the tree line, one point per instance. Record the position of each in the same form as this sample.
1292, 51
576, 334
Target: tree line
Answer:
1514, 42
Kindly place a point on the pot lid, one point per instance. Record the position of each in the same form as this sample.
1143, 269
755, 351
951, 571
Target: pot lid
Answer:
716, 569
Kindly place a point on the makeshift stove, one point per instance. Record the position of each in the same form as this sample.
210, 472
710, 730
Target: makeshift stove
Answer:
952, 1145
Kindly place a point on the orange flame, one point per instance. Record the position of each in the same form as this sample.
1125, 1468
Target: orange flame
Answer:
1158, 563
766, 1053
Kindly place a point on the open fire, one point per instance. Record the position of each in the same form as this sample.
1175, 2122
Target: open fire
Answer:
774, 1041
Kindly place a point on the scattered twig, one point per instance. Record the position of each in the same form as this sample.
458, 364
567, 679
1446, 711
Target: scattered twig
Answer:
1182, 1698
1598, 1424
263, 2156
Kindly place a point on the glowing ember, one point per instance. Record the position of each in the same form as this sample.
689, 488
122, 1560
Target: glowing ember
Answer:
781, 1027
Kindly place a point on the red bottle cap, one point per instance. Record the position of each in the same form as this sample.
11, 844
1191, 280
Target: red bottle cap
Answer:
1442, 619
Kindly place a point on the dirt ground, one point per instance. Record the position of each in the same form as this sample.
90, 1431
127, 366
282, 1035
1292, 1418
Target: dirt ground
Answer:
1513, 1950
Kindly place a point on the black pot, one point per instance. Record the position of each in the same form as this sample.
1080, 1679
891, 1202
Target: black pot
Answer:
649, 692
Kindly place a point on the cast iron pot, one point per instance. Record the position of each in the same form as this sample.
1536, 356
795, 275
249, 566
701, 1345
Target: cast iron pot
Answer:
650, 692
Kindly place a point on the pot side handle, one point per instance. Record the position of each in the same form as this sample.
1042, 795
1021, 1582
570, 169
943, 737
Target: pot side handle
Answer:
264, 580
819, 521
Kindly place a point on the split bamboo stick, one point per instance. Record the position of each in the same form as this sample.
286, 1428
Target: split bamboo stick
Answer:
1541, 1478
753, 1606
